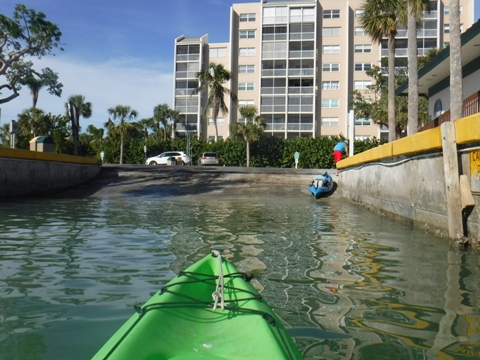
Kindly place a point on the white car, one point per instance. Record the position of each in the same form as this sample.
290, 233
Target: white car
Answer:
179, 156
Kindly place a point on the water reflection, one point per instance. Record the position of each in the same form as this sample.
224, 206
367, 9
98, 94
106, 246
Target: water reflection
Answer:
71, 270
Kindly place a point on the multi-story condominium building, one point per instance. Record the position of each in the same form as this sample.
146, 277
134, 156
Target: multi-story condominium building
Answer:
298, 62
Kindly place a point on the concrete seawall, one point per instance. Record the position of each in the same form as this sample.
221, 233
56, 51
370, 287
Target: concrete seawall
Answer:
407, 178
25, 173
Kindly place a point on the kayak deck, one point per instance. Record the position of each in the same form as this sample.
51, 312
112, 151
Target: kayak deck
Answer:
183, 320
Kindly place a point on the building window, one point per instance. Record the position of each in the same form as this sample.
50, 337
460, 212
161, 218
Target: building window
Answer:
363, 66
362, 84
275, 15
330, 103
363, 122
359, 13
333, 67
247, 51
360, 31
243, 103
218, 52
367, 48
246, 86
446, 28
331, 49
331, 31
437, 108
247, 17
330, 121
246, 69
446, 10
330, 85
247, 34
331, 14
220, 122
298, 15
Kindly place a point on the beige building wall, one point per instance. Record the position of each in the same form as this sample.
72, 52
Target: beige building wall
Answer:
341, 54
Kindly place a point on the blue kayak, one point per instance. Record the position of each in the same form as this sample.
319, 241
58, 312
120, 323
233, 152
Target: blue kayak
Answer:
321, 185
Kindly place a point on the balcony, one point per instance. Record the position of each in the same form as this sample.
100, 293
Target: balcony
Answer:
272, 90
274, 72
300, 108
187, 109
274, 37
183, 92
187, 57
300, 90
272, 108
275, 127
301, 54
274, 54
302, 36
186, 75
298, 127
301, 72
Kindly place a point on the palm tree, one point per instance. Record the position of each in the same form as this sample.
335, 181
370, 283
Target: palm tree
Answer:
82, 108
121, 114
414, 11
382, 18
213, 80
36, 81
176, 117
33, 121
144, 125
456, 86
251, 130
161, 113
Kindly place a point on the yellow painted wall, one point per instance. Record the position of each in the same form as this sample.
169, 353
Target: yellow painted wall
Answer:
36, 155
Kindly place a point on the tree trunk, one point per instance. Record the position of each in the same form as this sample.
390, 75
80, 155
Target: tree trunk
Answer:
248, 154
121, 150
412, 71
456, 86
391, 88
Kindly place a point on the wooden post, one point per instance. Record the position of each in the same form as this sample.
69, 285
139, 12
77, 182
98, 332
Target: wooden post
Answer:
452, 183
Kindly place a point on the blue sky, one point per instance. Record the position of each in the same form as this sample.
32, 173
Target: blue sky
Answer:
120, 51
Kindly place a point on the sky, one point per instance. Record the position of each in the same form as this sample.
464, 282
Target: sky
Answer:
120, 52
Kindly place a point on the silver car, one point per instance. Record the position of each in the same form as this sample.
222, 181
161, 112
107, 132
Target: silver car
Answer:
209, 158
162, 159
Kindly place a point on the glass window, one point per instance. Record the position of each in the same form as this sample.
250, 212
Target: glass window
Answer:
246, 86
446, 10
220, 122
363, 66
367, 48
362, 84
247, 17
331, 14
247, 51
246, 69
359, 13
330, 103
242, 103
330, 85
359, 31
331, 49
333, 67
446, 28
218, 52
330, 121
247, 34
362, 122
331, 31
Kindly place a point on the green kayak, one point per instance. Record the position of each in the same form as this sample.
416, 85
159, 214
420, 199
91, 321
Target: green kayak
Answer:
209, 311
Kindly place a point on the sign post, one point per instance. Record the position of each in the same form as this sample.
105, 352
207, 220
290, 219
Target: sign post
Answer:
296, 156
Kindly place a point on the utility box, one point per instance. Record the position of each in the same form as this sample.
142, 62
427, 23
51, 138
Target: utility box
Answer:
42, 144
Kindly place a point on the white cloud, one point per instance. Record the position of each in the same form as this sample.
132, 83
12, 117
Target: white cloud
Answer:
126, 81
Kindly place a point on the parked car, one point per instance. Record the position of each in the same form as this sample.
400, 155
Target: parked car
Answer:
209, 158
179, 156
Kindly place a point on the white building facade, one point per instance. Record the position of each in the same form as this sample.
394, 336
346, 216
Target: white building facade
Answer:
298, 62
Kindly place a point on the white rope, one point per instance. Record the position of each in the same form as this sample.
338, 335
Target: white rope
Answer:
218, 293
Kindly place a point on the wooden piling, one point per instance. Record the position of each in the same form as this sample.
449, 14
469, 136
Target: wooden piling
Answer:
452, 183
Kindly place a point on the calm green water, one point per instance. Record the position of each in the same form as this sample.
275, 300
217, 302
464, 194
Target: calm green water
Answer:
71, 271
